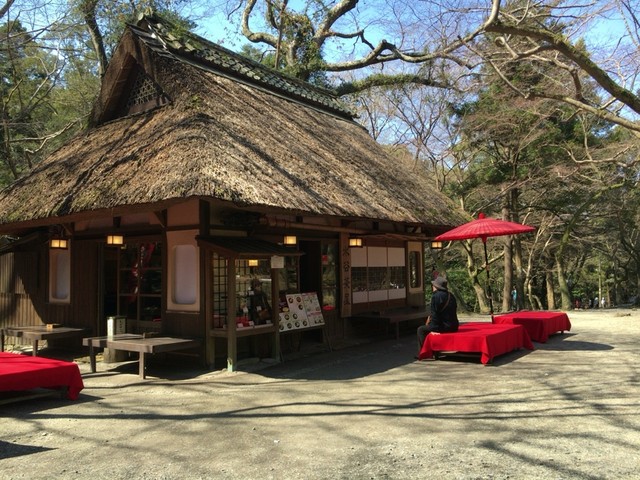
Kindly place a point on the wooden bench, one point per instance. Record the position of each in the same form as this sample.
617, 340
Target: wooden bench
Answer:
141, 344
39, 333
393, 316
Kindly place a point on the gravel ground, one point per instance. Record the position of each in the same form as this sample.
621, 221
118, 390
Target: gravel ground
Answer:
567, 410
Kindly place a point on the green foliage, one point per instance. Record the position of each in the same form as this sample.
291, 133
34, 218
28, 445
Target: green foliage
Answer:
300, 54
459, 280
307, 68
28, 73
264, 57
113, 15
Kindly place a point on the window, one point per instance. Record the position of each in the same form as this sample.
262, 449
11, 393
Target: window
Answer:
59, 276
378, 274
185, 274
329, 255
287, 283
183, 271
140, 282
144, 94
415, 277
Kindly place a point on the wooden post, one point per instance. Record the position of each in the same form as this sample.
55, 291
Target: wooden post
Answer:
206, 283
232, 307
209, 340
275, 312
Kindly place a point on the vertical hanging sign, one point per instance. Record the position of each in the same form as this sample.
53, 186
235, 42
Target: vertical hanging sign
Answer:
345, 265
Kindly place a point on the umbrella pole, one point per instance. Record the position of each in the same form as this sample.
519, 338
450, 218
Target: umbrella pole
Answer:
486, 261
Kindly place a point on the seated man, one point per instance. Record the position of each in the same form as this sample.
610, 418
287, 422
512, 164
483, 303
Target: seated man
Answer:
444, 312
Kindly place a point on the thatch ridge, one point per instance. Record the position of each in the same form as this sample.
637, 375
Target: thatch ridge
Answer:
187, 45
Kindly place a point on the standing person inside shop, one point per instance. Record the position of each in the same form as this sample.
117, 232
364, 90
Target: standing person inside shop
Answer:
444, 312
259, 307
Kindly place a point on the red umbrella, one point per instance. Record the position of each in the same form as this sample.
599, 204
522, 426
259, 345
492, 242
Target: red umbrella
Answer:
484, 228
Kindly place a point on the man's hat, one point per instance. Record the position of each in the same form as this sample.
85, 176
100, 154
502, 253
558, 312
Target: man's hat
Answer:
440, 283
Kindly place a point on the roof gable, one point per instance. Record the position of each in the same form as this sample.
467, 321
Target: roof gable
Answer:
163, 38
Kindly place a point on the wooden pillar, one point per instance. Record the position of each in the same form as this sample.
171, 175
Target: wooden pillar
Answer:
232, 307
275, 312
206, 284
209, 340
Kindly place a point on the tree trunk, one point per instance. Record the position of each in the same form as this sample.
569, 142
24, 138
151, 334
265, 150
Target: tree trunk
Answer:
481, 295
518, 272
551, 299
88, 8
565, 294
472, 269
534, 301
637, 284
6, 146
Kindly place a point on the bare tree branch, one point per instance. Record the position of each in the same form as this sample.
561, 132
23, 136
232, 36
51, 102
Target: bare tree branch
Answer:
88, 9
252, 36
5, 8
580, 58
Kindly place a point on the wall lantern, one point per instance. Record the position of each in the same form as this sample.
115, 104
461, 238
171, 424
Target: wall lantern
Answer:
436, 245
253, 262
290, 240
115, 240
355, 242
61, 243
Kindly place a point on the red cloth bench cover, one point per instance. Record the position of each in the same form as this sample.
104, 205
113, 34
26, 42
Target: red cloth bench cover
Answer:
22, 372
539, 324
488, 339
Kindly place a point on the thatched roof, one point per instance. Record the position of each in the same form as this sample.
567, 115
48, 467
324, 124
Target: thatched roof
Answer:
250, 141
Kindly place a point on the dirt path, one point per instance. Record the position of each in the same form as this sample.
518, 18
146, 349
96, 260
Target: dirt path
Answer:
569, 409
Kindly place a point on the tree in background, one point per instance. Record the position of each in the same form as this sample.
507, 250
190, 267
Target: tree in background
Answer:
52, 57
104, 20
28, 75
314, 37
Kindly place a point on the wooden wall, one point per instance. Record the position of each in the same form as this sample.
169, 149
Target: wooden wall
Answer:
24, 288
86, 294
19, 287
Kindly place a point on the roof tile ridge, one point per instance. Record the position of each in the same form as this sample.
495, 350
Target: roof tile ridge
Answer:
158, 31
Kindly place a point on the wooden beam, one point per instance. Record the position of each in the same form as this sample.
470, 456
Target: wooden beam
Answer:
162, 217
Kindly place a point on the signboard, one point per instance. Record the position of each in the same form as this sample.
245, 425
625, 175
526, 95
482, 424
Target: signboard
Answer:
313, 309
301, 310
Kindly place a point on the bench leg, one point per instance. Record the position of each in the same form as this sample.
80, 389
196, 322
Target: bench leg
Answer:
35, 348
141, 365
92, 358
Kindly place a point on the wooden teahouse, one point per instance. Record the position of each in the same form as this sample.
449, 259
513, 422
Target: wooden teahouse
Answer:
177, 199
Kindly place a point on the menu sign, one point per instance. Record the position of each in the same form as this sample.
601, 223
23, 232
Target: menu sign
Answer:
301, 310
312, 307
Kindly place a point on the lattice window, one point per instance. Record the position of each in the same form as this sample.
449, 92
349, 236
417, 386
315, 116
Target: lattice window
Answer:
144, 94
219, 289
244, 275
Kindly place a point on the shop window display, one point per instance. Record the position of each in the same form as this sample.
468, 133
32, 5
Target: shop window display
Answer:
140, 281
